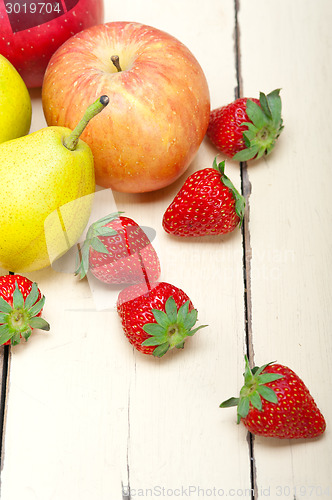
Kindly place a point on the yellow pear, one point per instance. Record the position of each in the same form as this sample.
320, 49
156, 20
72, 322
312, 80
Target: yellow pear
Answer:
15, 103
47, 186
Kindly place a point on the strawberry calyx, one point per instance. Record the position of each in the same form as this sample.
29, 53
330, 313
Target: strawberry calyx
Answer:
253, 390
18, 320
92, 240
171, 328
240, 202
264, 127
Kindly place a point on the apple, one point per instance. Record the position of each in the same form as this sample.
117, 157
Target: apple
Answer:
159, 102
31, 31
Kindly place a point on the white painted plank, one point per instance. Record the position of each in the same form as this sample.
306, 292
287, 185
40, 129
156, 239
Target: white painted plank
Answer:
174, 414
80, 398
178, 435
288, 46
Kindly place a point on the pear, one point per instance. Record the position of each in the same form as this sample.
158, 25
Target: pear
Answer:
15, 103
47, 186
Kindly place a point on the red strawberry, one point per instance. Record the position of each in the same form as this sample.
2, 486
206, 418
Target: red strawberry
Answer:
21, 305
156, 319
207, 203
247, 128
274, 402
117, 250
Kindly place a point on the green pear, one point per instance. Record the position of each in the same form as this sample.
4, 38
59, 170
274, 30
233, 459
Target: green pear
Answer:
15, 103
47, 186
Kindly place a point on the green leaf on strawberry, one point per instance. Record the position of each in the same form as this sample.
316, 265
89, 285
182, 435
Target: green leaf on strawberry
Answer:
240, 202
171, 328
92, 240
264, 127
253, 390
18, 320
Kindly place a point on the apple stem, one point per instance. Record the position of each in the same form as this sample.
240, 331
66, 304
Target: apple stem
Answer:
116, 61
71, 141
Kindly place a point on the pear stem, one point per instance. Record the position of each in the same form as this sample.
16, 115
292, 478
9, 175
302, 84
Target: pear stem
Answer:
71, 141
116, 61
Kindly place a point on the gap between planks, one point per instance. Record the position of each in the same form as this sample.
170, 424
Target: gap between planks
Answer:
4, 373
246, 245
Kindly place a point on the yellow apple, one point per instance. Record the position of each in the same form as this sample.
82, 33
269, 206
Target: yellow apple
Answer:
15, 103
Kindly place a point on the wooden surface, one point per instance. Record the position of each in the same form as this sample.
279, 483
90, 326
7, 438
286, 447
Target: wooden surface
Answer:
86, 416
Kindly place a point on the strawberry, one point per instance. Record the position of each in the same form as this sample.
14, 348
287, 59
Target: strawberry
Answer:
21, 305
207, 203
247, 128
157, 318
117, 250
274, 402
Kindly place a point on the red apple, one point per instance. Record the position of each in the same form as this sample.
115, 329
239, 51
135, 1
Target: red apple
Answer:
31, 31
159, 102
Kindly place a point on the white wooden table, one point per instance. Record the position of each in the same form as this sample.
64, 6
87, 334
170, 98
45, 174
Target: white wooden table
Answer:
85, 415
